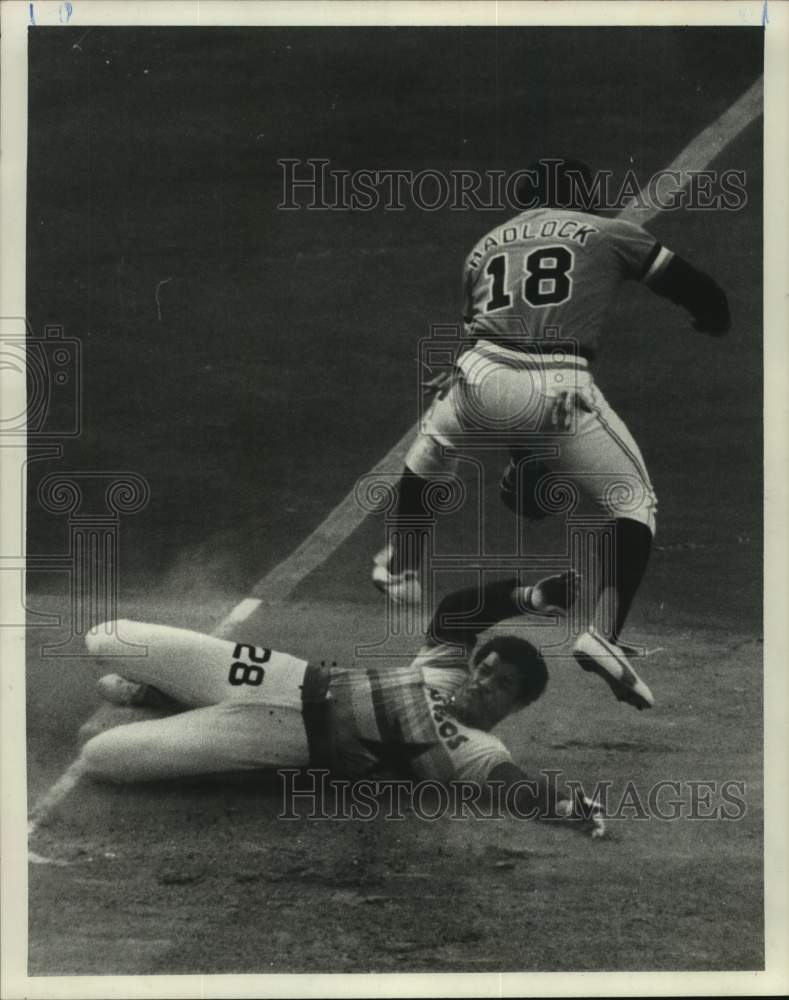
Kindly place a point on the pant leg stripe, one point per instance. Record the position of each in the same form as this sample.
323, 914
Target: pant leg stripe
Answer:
639, 465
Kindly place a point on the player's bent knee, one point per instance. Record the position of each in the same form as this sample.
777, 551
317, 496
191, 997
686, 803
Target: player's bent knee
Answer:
108, 637
645, 518
97, 762
104, 759
624, 500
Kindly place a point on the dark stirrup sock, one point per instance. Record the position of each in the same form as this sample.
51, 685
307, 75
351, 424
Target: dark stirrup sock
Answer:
633, 545
410, 523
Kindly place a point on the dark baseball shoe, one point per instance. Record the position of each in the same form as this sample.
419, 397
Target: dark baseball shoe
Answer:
596, 654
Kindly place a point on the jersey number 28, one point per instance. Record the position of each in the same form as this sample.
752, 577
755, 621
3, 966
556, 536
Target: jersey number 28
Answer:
548, 281
251, 672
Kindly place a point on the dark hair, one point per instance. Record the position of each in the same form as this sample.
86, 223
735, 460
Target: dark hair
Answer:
557, 182
524, 656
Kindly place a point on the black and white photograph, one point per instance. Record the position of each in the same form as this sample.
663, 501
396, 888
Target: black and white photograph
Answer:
389, 592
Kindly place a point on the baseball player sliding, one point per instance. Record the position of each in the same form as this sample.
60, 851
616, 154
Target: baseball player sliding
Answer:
537, 289
241, 706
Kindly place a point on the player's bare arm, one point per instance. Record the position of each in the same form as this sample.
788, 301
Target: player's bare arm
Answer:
536, 798
462, 615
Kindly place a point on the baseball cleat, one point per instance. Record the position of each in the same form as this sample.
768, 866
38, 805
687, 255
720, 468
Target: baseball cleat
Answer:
555, 595
118, 690
596, 654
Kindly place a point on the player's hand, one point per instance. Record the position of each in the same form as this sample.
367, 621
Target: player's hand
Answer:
595, 827
586, 814
565, 405
714, 321
441, 384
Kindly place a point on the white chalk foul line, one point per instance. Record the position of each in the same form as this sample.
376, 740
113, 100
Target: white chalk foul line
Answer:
283, 579
338, 524
47, 804
702, 150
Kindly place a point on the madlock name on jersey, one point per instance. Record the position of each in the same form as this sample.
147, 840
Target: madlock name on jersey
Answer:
559, 229
447, 729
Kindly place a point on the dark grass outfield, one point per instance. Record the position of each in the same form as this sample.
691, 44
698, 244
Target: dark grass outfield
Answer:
278, 368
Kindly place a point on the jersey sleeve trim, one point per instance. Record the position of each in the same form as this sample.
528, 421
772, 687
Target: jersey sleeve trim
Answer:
656, 262
498, 757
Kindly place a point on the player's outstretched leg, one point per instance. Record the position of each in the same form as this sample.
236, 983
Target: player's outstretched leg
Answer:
600, 649
188, 667
232, 736
602, 462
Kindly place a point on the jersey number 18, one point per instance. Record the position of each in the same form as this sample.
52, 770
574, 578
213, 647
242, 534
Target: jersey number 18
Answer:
548, 281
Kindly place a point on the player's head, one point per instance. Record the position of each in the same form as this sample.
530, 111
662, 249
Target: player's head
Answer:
557, 182
506, 673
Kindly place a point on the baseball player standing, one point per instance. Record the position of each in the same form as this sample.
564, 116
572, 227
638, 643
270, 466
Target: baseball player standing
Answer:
537, 290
